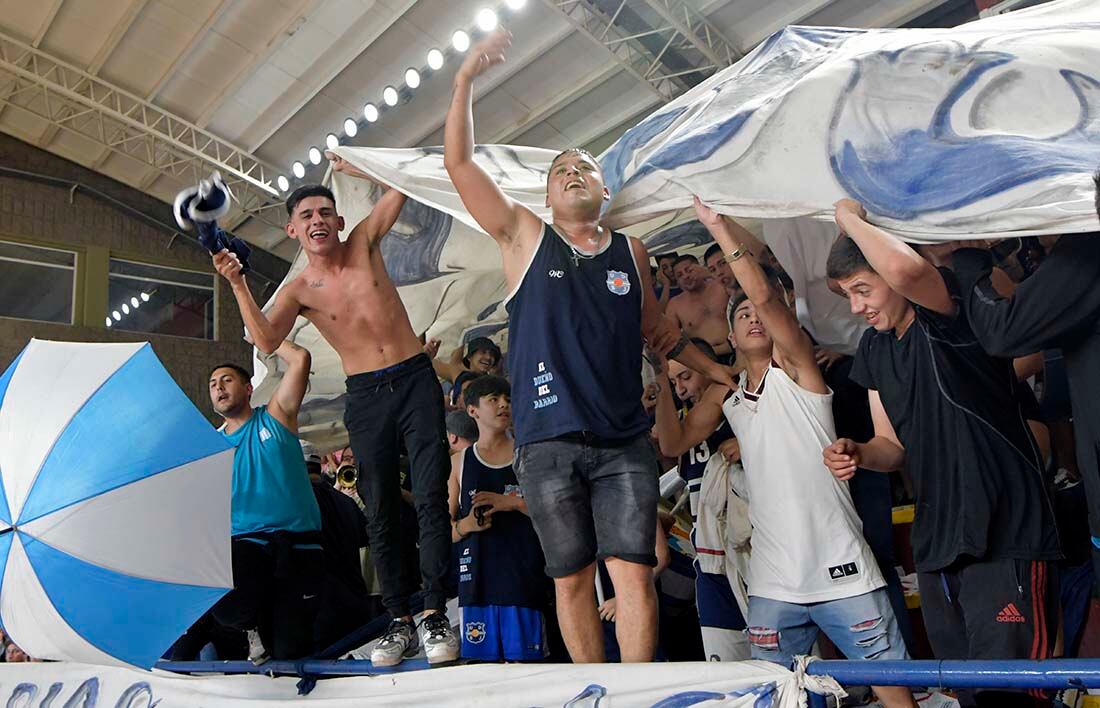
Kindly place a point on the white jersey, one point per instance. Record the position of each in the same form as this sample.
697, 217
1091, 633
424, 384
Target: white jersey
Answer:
807, 541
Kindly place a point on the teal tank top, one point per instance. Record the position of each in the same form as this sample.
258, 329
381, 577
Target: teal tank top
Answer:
271, 489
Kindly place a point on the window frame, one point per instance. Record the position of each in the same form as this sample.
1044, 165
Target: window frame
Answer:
213, 288
74, 269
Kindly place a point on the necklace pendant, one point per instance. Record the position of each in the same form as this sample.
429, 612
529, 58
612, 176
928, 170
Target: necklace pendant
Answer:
576, 259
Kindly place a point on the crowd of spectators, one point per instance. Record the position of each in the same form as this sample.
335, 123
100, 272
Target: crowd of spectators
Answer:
962, 428
779, 460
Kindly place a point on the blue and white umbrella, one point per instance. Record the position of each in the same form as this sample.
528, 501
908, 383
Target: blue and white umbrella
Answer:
114, 505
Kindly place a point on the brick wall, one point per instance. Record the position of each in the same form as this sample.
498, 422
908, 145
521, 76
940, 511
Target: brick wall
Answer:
49, 213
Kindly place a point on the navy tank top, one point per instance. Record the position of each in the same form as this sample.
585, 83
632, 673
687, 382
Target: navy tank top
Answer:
575, 342
693, 463
502, 565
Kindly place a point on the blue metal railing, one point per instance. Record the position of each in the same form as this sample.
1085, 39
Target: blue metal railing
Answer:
1052, 674
312, 667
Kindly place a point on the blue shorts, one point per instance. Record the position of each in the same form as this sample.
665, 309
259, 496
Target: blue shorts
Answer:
717, 605
502, 633
861, 627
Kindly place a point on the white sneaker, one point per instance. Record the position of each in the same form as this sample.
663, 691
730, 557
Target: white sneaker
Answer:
257, 652
440, 642
399, 642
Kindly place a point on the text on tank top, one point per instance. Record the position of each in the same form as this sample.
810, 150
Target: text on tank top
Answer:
575, 342
502, 565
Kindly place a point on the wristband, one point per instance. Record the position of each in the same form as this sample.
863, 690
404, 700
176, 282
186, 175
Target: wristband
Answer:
735, 254
680, 346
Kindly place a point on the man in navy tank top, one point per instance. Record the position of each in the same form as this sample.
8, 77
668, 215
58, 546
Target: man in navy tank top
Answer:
581, 302
501, 584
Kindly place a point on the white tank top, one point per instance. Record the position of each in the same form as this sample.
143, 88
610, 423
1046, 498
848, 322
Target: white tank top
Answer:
807, 541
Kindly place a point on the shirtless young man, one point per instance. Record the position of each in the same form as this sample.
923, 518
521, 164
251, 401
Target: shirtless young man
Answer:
581, 300
700, 309
392, 394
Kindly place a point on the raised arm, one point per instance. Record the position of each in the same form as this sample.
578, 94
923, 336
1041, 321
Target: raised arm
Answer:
385, 212
1058, 299
496, 213
900, 266
287, 399
662, 334
782, 326
676, 436
267, 332
381, 218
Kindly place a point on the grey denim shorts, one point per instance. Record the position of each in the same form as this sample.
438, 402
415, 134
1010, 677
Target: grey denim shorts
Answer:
590, 499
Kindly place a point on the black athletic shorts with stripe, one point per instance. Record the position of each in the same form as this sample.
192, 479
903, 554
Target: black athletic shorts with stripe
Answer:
998, 609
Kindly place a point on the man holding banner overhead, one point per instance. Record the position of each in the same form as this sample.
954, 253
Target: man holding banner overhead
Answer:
393, 396
581, 300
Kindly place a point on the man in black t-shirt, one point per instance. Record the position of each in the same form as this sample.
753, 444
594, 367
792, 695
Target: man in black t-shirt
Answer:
984, 533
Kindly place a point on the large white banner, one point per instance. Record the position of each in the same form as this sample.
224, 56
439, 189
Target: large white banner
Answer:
991, 128
748, 684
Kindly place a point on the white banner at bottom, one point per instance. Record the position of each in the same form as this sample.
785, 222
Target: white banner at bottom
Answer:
668, 685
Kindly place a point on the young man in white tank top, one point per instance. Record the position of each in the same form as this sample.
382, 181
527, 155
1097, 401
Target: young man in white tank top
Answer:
811, 568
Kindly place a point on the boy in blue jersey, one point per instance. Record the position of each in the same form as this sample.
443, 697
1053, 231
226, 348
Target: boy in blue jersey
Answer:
581, 302
694, 435
276, 524
501, 585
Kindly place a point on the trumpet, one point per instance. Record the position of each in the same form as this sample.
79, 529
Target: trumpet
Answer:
347, 476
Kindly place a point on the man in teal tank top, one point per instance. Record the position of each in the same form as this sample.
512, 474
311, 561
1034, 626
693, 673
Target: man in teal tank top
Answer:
277, 555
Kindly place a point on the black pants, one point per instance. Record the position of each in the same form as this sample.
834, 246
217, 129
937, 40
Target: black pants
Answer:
276, 594
230, 644
992, 609
403, 403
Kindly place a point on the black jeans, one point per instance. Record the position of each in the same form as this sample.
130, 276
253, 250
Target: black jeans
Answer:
276, 589
402, 403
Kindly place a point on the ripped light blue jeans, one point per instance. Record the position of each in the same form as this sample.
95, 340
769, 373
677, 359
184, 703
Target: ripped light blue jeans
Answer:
862, 627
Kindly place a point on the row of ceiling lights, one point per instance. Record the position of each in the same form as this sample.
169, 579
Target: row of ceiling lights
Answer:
134, 303
486, 21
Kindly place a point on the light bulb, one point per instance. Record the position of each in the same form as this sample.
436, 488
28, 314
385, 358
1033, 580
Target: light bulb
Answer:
350, 127
125, 309
389, 95
331, 141
135, 302
412, 78
284, 183
109, 322
315, 156
370, 112
486, 20
299, 169
145, 297
116, 315
435, 60
460, 41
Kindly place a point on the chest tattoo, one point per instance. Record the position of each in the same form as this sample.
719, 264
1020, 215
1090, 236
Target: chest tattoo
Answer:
317, 283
